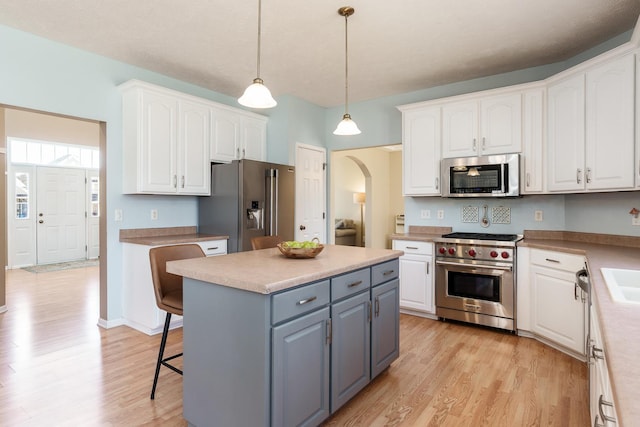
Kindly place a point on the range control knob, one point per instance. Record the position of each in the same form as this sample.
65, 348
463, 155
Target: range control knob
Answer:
505, 254
494, 254
442, 250
472, 252
452, 251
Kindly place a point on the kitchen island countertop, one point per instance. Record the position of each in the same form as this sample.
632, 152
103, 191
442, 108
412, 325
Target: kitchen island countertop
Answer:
266, 271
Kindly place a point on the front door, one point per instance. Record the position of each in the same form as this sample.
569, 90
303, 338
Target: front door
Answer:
310, 193
60, 220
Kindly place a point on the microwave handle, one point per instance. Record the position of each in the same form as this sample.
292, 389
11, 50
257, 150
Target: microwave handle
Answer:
503, 178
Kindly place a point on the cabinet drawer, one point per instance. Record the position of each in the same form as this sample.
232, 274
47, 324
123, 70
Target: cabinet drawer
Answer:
299, 301
350, 283
557, 260
214, 247
384, 272
411, 247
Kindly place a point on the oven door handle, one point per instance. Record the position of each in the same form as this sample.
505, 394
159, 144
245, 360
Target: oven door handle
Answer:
475, 266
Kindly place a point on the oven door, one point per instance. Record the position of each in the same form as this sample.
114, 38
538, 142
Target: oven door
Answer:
475, 287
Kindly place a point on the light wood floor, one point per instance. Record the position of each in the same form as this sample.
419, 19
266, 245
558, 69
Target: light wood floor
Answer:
58, 368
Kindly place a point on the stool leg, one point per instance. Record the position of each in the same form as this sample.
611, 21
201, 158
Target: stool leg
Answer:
163, 342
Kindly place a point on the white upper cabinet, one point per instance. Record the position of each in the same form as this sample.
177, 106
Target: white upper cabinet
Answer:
532, 141
238, 135
171, 138
421, 151
565, 140
610, 144
194, 124
590, 145
166, 142
485, 126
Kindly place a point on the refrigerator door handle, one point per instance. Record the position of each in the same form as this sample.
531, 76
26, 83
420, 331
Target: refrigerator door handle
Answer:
274, 203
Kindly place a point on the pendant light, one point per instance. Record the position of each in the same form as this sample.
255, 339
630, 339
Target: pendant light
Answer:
346, 126
257, 95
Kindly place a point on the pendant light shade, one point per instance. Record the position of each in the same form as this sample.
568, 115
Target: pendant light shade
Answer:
257, 95
347, 126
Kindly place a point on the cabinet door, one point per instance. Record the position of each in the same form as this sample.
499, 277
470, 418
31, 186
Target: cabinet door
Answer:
460, 129
610, 143
300, 367
194, 175
558, 308
225, 139
501, 124
421, 152
565, 139
385, 326
350, 348
254, 139
416, 282
532, 141
157, 168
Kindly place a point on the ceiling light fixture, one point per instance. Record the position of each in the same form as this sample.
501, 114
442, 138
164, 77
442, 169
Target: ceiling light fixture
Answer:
346, 126
257, 95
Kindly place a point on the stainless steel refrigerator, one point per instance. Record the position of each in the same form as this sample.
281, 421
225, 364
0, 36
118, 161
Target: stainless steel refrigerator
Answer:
248, 199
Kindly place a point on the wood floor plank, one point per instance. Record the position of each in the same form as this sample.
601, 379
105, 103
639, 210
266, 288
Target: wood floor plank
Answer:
57, 367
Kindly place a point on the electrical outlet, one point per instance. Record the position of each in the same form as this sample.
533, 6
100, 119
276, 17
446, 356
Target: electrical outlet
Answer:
154, 214
635, 220
425, 214
538, 216
440, 214
117, 215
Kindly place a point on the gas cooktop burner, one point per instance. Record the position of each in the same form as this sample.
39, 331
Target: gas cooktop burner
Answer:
483, 236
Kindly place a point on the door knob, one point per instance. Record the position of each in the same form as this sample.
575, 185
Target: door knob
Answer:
302, 227
41, 221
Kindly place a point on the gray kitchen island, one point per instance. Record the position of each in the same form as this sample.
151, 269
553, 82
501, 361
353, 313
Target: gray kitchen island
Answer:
273, 341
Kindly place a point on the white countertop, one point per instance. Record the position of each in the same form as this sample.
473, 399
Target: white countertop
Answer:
266, 271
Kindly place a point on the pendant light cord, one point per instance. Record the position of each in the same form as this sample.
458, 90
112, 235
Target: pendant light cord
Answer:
346, 65
259, 33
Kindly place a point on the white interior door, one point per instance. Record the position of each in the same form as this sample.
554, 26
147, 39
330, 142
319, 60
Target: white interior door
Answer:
60, 220
310, 193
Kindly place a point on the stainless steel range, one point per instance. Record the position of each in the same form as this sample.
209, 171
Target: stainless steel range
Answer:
476, 278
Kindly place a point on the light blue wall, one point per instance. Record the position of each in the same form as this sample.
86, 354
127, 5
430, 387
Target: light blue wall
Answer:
293, 121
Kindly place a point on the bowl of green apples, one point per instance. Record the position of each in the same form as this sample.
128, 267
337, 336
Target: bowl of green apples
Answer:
301, 250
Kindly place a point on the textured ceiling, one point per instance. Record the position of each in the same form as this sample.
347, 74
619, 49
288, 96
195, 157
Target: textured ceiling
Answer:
394, 47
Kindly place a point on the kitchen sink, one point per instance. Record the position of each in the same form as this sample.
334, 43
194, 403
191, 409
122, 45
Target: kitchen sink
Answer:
624, 285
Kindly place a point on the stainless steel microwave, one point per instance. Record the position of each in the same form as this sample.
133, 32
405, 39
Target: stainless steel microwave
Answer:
486, 176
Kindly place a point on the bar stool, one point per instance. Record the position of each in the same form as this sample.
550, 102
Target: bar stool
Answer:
264, 242
168, 291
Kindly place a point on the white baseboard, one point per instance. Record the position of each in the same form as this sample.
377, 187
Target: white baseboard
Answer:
107, 324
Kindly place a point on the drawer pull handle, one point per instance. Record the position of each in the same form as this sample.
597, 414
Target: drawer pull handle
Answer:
601, 403
415, 248
552, 260
388, 272
351, 285
306, 301
212, 249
